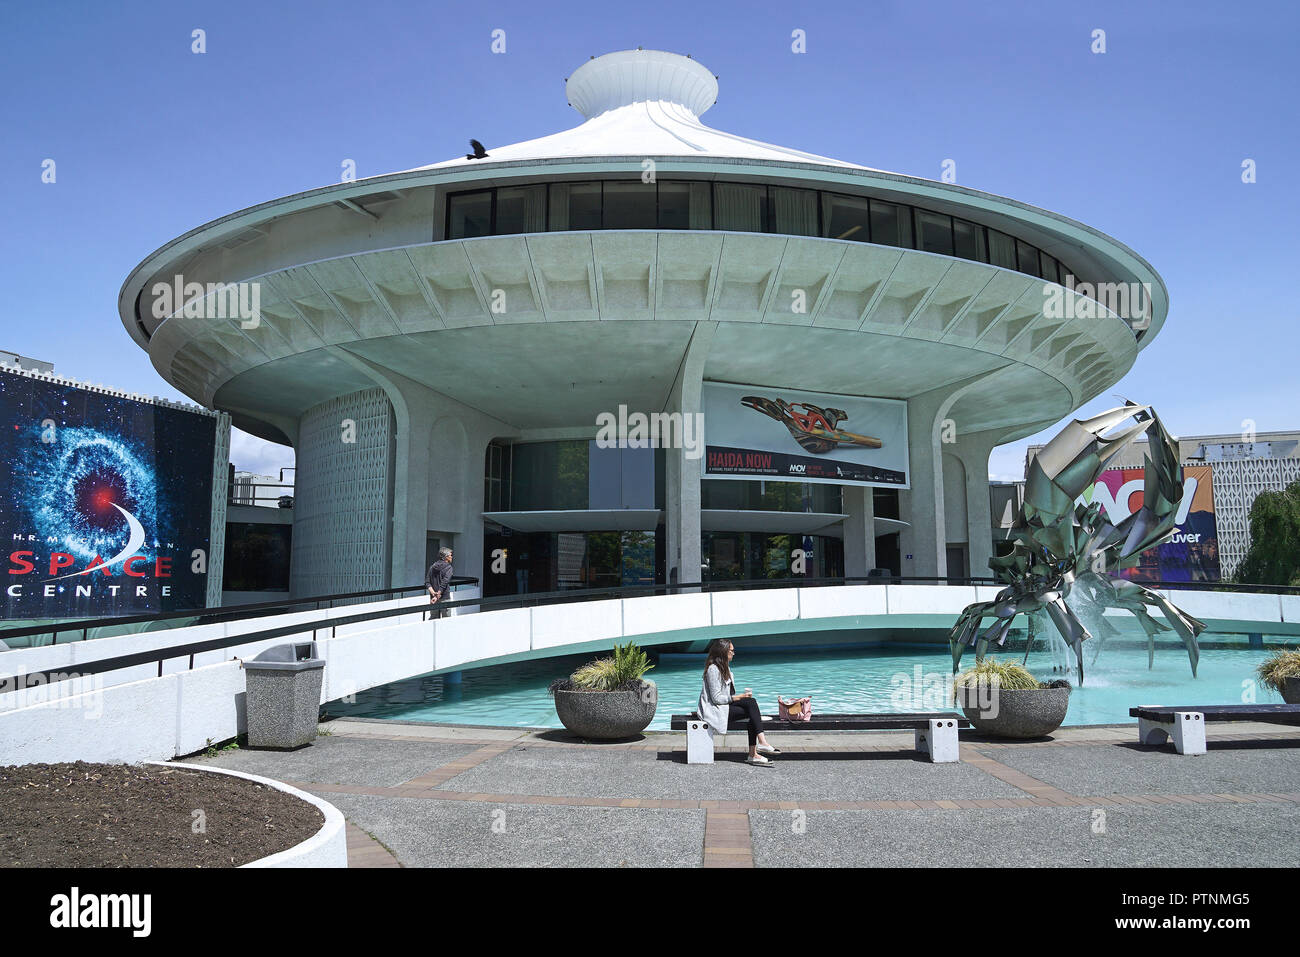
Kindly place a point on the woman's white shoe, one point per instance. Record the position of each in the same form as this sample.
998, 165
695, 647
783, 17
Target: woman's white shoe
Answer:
768, 749
759, 761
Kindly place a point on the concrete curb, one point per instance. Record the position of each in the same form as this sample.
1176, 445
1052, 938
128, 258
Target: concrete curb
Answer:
328, 847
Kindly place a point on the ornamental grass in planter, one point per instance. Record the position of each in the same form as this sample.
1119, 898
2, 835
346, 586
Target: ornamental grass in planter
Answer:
1004, 700
608, 699
1281, 672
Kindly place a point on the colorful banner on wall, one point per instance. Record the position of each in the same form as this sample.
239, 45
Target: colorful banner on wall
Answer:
755, 432
105, 502
1193, 552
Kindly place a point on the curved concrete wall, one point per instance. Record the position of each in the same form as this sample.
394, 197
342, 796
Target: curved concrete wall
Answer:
180, 713
328, 847
340, 527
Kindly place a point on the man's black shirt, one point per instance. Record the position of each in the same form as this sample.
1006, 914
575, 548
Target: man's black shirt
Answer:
438, 576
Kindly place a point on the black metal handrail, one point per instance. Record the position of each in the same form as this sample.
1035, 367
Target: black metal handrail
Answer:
207, 616
238, 490
211, 616
160, 655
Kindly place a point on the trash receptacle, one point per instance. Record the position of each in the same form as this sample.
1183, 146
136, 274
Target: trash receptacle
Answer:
283, 695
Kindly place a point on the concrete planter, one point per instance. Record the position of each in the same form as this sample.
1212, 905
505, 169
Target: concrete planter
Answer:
1027, 713
607, 715
328, 847
1291, 690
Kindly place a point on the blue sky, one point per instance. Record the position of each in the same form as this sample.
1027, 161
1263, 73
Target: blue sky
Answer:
1144, 142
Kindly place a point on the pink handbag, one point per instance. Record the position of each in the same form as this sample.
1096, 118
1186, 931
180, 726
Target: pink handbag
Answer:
794, 709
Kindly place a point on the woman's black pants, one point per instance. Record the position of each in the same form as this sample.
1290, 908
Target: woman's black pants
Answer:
746, 708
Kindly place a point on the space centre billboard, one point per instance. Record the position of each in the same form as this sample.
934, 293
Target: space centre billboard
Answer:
105, 501
756, 432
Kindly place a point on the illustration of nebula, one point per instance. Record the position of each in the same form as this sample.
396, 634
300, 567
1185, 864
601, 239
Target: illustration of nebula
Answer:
72, 485
91, 479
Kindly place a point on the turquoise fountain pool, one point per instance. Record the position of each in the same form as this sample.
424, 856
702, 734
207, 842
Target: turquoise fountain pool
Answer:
879, 678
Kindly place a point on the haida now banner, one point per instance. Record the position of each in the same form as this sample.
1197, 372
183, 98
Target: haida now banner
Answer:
755, 432
1192, 555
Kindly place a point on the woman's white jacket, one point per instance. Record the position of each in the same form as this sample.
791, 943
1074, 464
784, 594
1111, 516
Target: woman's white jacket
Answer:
714, 699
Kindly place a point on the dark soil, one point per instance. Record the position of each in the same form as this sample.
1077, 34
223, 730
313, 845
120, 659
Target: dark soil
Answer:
127, 815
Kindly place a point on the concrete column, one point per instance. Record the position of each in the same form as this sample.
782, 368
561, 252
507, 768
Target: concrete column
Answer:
921, 506
973, 450
859, 531
682, 473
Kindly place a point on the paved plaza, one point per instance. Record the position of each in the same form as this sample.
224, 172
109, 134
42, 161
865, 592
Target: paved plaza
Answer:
419, 795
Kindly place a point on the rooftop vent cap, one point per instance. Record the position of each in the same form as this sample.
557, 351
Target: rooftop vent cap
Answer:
637, 76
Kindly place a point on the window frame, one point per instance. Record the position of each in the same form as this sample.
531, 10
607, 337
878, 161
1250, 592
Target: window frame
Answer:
908, 216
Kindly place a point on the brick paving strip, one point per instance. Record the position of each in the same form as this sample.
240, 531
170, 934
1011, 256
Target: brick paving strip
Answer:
727, 838
365, 851
727, 841
1032, 787
445, 772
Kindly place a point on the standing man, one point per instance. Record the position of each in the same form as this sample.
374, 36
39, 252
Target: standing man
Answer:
438, 578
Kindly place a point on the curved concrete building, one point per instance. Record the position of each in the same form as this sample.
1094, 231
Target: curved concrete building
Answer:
438, 345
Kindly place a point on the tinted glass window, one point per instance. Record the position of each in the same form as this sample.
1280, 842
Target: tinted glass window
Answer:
685, 206
740, 208
521, 209
584, 206
674, 205
891, 225
548, 475
968, 241
795, 211
630, 206
933, 232
1002, 250
257, 557
469, 215
1028, 258
846, 217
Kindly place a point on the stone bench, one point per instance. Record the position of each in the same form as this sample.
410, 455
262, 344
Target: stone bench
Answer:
935, 731
1186, 725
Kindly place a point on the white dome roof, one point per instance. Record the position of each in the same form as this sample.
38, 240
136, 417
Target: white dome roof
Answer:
636, 76
643, 103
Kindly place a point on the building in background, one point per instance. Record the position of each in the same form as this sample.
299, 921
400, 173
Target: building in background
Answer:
440, 345
248, 488
15, 361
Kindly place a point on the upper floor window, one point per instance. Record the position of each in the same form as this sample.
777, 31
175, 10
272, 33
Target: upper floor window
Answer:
737, 207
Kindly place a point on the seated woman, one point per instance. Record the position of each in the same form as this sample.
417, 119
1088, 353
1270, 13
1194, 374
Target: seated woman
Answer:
719, 703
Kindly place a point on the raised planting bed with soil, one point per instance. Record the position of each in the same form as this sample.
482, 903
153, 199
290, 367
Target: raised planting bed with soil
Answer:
142, 815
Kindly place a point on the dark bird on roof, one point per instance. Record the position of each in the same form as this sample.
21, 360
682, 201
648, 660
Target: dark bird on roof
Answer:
479, 152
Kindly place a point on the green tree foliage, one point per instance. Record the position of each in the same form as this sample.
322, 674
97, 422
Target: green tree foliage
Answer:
1274, 554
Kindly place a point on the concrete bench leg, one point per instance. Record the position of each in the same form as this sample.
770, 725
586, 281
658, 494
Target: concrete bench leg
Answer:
939, 741
1187, 729
699, 742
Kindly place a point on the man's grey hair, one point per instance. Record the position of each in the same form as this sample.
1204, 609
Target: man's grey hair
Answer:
444, 553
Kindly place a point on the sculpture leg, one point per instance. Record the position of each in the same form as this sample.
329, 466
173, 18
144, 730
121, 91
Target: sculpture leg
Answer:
1188, 628
1071, 629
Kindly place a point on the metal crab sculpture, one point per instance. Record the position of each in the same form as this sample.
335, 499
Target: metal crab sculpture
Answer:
1060, 547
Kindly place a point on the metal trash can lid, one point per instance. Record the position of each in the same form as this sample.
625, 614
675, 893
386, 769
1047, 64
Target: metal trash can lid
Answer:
297, 656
